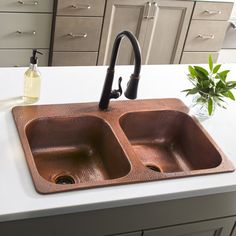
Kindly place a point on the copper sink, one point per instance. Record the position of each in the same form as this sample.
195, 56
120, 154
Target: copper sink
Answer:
76, 146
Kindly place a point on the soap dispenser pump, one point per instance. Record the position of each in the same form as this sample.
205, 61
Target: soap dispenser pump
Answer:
32, 81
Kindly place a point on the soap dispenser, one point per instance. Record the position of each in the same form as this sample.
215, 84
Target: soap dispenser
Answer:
32, 80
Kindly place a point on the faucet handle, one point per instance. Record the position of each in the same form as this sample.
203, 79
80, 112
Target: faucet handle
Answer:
116, 93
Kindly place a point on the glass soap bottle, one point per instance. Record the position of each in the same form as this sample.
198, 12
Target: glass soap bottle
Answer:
32, 80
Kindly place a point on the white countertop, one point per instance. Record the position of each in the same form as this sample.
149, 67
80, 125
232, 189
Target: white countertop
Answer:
18, 198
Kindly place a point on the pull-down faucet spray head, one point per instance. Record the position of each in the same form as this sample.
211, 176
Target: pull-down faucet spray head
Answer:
132, 86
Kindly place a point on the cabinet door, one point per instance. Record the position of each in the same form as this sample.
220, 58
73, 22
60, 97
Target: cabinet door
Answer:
167, 31
122, 15
220, 227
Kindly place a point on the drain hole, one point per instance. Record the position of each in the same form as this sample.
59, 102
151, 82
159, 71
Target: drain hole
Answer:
154, 168
64, 179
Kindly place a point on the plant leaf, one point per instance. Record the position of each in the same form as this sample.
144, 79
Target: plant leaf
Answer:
223, 74
216, 68
231, 84
210, 106
206, 84
229, 95
220, 86
186, 90
193, 91
204, 71
192, 71
210, 62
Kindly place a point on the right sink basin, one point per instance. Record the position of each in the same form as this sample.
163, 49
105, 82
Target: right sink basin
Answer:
169, 141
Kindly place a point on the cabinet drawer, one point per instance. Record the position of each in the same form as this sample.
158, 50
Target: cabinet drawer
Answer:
205, 35
26, 5
20, 57
77, 33
25, 30
81, 7
198, 57
74, 58
212, 11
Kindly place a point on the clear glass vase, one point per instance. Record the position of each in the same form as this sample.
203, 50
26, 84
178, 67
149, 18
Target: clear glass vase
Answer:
200, 109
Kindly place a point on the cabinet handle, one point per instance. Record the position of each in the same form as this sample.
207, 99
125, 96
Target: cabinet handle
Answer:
212, 12
26, 33
34, 3
80, 6
206, 36
83, 35
233, 24
153, 11
147, 10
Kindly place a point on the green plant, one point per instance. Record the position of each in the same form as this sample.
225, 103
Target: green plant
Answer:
212, 85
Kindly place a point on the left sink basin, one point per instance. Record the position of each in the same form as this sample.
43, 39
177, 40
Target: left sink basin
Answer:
75, 150
66, 152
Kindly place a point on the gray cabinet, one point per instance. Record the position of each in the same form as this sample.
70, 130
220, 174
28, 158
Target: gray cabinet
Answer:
167, 31
210, 215
77, 33
219, 227
206, 31
20, 57
24, 25
80, 7
26, 6
160, 26
25, 30
123, 15
78, 25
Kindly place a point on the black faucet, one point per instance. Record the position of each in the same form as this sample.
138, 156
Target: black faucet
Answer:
132, 86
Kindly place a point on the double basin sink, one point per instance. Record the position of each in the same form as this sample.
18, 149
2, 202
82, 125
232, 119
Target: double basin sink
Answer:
77, 146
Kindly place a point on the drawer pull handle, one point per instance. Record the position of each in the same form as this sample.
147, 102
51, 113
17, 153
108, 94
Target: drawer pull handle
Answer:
34, 3
233, 24
153, 11
71, 35
147, 10
206, 36
212, 12
80, 6
26, 33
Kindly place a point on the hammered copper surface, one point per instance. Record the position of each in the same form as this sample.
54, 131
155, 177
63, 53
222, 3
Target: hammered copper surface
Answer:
169, 141
77, 146
83, 148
